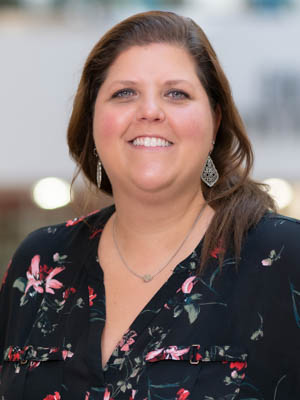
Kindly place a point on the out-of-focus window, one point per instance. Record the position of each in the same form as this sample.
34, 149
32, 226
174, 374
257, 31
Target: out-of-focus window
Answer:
270, 4
277, 106
88, 3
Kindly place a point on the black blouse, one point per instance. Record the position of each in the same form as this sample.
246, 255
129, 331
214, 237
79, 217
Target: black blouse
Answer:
226, 335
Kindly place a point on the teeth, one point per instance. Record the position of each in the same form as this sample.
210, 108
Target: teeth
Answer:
151, 142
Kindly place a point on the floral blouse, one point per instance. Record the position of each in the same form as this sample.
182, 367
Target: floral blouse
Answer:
229, 335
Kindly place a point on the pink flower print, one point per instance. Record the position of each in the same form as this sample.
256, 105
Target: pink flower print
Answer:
55, 396
56, 257
75, 221
44, 271
107, 395
92, 296
67, 292
127, 340
67, 354
218, 250
267, 262
182, 394
33, 275
53, 283
173, 353
188, 284
33, 364
273, 256
53, 350
87, 396
238, 365
154, 355
12, 355
132, 394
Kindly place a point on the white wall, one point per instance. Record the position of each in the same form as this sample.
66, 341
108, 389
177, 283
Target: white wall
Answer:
40, 65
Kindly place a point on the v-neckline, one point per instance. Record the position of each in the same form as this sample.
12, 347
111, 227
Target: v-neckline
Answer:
156, 302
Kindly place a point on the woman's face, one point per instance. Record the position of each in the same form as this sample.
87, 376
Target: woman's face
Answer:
153, 125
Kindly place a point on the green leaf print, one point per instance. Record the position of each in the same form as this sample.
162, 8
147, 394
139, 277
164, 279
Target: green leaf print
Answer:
296, 303
258, 334
20, 283
193, 311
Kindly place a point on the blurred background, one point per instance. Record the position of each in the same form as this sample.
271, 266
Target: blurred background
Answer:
43, 45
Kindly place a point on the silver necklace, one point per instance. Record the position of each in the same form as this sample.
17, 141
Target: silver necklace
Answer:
148, 277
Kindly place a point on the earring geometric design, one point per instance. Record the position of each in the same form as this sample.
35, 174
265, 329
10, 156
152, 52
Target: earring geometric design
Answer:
209, 174
99, 174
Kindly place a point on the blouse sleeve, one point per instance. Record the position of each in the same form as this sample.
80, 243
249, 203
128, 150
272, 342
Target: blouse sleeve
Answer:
15, 311
4, 307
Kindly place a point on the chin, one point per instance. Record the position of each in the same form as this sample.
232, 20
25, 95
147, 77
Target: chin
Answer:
153, 185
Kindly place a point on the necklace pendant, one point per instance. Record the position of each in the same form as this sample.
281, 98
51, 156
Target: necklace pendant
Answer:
147, 278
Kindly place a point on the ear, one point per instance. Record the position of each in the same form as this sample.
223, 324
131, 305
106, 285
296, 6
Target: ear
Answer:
217, 120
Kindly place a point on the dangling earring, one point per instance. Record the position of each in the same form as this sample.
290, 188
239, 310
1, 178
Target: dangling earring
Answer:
99, 174
99, 170
210, 173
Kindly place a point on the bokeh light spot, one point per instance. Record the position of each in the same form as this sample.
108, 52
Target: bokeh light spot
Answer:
281, 191
50, 193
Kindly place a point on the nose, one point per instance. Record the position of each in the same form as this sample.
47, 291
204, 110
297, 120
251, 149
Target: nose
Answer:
150, 110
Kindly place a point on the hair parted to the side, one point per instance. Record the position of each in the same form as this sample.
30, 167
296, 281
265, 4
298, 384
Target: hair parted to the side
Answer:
238, 201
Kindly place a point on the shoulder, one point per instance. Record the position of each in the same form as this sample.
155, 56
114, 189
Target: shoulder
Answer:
271, 251
278, 223
54, 244
274, 230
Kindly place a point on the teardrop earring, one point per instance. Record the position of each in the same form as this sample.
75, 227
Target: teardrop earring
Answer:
210, 173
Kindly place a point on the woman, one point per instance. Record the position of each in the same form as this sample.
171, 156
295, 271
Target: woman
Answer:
188, 287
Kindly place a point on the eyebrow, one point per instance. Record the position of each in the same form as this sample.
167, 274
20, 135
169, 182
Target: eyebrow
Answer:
124, 82
168, 83
176, 81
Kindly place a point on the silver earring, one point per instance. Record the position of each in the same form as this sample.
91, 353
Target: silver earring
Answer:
99, 170
209, 174
99, 174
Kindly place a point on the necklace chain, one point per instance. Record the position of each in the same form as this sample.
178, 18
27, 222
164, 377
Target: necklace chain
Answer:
148, 277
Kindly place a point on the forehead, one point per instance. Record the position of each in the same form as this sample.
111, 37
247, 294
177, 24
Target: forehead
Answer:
156, 59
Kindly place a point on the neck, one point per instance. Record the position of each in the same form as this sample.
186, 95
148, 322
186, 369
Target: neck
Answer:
148, 234
139, 222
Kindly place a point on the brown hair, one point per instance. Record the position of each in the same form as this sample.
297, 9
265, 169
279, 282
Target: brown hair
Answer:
238, 201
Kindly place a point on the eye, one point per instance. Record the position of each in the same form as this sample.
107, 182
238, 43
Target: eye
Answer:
177, 94
123, 93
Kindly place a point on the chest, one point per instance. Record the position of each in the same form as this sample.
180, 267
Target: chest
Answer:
193, 315
125, 298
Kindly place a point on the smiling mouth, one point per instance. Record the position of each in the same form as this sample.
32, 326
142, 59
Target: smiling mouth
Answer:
151, 142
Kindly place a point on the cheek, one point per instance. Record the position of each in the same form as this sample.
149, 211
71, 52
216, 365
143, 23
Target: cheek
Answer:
108, 125
196, 125
104, 126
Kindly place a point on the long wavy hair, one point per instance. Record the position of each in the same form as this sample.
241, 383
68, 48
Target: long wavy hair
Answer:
238, 201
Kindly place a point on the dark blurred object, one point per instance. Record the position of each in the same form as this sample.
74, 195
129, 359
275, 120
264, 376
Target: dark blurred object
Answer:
277, 107
12, 3
269, 4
